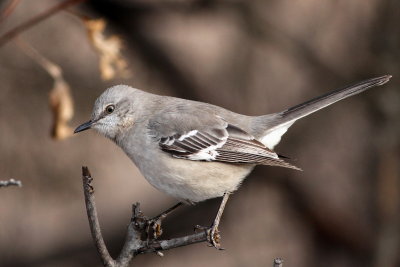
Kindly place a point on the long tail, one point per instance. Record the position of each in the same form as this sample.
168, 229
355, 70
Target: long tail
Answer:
315, 104
278, 123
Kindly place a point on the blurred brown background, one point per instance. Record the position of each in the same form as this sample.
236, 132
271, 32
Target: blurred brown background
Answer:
253, 57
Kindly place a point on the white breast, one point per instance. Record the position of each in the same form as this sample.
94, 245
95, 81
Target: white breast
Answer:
184, 179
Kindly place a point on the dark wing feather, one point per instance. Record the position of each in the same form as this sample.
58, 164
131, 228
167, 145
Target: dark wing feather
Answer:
229, 144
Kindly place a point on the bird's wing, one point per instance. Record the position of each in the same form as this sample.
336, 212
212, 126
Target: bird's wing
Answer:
221, 142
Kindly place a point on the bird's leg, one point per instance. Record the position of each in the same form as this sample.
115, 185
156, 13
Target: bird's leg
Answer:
155, 222
213, 235
166, 212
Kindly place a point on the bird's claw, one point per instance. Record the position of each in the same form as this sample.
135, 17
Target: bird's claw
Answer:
154, 229
157, 230
213, 236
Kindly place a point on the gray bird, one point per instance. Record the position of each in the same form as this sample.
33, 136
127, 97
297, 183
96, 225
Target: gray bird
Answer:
195, 151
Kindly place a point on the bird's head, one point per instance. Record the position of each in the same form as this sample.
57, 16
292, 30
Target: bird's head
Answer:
113, 112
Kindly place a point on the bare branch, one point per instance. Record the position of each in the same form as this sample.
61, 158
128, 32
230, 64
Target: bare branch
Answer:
93, 219
136, 241
33, 21
10, 182
174, 242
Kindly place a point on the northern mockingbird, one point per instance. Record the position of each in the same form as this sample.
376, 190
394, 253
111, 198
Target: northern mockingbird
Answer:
195, 151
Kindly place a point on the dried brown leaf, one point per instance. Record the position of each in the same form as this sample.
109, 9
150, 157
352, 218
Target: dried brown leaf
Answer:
61, 104
60, 98
111, 63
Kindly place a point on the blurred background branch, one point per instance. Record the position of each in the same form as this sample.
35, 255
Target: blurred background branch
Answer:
33, 21
8, 9
60, 98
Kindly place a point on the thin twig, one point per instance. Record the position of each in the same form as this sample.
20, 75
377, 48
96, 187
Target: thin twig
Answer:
60, 98
51, 68
12, 4
33, 21
136, 233
10, 182
93, 219
174, 242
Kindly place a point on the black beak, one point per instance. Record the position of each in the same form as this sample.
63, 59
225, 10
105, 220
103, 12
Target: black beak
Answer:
83, 127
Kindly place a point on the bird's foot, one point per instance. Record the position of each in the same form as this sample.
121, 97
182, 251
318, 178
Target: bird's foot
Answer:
154, 228
213, 236
154, 225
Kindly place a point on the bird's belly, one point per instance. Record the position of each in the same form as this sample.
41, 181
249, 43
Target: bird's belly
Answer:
192, 181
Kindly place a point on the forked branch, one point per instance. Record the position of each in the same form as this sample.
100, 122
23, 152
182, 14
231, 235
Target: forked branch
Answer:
137, 239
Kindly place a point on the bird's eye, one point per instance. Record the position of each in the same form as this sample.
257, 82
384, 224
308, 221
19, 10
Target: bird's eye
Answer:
110, 109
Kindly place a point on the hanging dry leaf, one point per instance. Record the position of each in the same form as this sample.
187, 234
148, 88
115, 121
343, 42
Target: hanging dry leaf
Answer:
60, 99
62, 108
111, 62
